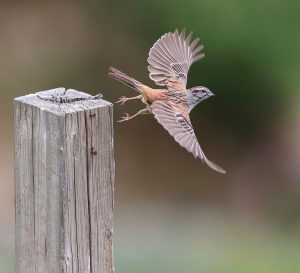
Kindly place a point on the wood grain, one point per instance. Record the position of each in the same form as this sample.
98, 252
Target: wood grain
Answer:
64, 175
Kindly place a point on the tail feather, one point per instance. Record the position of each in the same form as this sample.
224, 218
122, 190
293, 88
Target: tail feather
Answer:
121, 77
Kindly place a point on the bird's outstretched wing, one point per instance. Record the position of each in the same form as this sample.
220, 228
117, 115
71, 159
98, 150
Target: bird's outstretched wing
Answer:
178, 124
171, 57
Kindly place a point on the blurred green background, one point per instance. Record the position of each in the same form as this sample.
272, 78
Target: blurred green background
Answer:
172, 214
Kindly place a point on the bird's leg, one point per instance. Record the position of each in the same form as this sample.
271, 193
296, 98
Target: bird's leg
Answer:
123, 99
127, 117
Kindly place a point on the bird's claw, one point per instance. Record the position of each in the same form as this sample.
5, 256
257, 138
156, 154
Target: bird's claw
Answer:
126, 117
121, 100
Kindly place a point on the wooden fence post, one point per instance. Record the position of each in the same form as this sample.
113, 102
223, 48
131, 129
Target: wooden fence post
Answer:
64, 175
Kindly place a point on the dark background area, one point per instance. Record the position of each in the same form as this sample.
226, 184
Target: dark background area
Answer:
172, 214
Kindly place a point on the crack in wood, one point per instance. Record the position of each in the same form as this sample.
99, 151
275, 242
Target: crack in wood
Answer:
67, 96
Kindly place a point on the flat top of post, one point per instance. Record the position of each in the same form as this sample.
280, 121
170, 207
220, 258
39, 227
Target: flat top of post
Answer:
62, 101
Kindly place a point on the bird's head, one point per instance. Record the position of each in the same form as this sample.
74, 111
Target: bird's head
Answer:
198, 94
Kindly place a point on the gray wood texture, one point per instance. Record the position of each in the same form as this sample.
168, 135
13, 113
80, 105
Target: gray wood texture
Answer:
64, 176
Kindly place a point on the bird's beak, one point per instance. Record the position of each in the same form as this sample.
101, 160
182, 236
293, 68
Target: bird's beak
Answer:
211, 93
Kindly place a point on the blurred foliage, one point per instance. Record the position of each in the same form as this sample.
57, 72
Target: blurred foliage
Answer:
252, 50
206, 242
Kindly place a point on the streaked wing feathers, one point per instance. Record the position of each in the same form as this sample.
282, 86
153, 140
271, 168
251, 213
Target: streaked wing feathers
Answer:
171, 57
179, 126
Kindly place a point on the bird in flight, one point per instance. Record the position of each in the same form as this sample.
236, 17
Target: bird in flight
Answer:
169, 61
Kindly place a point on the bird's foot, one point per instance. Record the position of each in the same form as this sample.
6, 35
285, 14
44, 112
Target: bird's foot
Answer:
126, 117
122, 100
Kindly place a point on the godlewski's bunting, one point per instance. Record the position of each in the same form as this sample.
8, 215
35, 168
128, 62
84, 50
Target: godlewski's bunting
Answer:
169, 61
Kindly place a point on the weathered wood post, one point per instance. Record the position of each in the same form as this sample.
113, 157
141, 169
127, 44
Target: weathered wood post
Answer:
64, 175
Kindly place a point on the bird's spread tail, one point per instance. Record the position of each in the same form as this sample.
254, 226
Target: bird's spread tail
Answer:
120, 76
